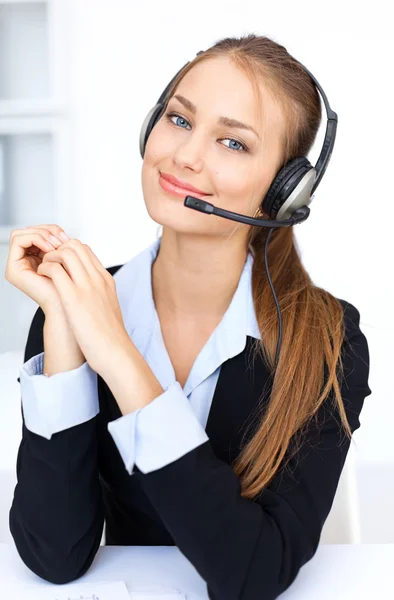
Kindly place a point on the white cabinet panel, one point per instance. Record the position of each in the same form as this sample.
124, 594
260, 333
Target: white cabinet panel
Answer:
26, 179
24, 55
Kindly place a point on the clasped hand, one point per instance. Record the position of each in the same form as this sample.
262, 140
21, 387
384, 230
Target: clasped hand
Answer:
88, 295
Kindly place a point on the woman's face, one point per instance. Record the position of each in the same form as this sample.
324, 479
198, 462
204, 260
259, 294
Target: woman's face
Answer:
194, 147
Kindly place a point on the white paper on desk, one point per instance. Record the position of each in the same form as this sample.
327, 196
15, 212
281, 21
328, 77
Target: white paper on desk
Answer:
156, 595
95, 590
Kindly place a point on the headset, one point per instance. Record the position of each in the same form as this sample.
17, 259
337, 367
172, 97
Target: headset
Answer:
287, 199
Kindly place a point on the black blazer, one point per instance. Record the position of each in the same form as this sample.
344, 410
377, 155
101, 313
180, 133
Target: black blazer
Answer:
243, 549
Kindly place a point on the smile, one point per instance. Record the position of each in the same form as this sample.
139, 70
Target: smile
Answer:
178, 191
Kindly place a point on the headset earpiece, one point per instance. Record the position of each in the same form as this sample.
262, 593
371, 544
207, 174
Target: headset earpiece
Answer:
150, 121
290, 190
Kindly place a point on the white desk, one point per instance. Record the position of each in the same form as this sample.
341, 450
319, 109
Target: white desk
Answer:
340, 572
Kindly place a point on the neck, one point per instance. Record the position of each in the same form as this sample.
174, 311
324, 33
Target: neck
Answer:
195, 277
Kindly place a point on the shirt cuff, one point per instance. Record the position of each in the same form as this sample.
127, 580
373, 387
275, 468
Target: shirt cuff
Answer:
52, 404
159, 433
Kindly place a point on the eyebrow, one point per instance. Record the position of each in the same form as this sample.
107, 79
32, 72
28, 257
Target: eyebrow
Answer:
221, 120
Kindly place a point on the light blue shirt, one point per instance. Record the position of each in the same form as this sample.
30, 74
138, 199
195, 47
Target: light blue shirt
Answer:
173, 423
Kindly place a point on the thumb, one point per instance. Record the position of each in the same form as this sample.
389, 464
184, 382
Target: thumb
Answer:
44, 269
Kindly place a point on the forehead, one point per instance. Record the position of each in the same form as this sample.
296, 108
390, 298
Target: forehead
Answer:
219, 88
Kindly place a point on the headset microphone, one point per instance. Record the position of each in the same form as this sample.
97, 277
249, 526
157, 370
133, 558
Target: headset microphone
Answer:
286, 201
206, 207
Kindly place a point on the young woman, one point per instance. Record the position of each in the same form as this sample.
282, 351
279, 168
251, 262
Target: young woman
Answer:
150, 394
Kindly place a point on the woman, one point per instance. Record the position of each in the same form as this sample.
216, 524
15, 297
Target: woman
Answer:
163, 368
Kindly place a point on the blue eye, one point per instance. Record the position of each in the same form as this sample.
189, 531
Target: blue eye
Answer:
242, 148
170, 115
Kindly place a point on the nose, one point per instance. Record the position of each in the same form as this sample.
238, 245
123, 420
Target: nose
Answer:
189, 152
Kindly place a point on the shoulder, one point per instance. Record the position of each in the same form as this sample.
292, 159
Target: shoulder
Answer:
356, 363
354, 336
351, 315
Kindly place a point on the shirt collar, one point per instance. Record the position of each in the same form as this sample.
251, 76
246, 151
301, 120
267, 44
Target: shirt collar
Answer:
134, 289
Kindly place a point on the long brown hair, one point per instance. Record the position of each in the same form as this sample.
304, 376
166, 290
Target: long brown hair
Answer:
312, 318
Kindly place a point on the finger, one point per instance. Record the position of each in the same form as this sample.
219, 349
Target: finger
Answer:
93, 267
54, 230
34, 250
57, 235
21, 242
62, 282
70, 261
52, 233
99, 266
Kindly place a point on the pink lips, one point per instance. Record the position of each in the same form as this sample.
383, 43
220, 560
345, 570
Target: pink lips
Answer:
175, 186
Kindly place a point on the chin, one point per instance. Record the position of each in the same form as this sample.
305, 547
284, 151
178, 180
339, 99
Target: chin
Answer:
168, 214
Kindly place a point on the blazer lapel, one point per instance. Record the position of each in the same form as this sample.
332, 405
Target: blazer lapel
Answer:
241, 393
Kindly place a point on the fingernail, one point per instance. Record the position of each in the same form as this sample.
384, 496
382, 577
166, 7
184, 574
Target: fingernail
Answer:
64, 236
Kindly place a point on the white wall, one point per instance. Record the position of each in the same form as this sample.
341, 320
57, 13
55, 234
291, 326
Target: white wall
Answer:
121, 56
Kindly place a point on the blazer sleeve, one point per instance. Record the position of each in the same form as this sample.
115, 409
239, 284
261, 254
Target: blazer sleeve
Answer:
247, 549
56, 517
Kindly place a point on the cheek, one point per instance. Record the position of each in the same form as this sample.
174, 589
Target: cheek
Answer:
154, 157
147, 183
159, 144
234, 185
